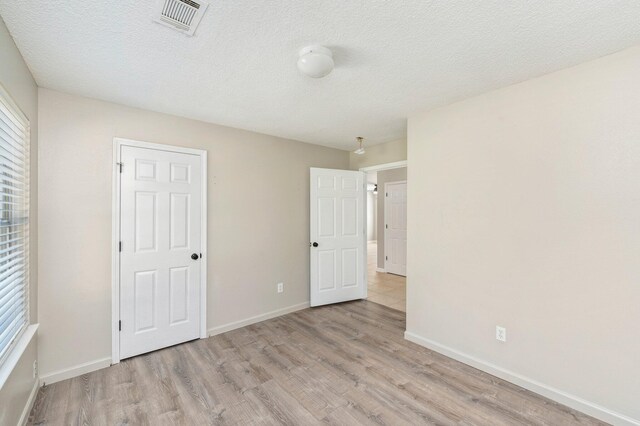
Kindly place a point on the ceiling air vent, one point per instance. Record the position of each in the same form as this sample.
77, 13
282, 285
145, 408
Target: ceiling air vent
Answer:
182, 15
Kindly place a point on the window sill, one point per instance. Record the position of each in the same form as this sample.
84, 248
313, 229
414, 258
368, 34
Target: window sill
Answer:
16, 353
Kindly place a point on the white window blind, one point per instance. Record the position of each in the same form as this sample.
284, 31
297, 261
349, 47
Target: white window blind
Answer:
14, 223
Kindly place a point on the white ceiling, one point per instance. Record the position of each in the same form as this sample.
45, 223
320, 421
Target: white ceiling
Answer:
392, 57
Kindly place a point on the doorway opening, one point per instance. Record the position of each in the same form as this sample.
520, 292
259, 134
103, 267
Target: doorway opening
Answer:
351, 261
386, 234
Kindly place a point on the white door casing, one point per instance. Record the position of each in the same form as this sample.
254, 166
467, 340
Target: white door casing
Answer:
161, 272
395, 232
338, 227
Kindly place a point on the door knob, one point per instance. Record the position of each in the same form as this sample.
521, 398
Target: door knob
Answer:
314, 244
194, 256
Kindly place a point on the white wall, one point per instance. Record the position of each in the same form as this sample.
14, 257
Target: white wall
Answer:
258, 219
524, 211
17, 80
371, 216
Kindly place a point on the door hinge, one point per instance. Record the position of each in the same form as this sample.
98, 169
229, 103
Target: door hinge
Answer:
119, 246
120, 325
386, 194
386, 226
120, 166
386, 258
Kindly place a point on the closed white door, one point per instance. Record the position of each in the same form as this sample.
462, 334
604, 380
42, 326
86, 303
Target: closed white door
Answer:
395, 233
338, 236
160, 253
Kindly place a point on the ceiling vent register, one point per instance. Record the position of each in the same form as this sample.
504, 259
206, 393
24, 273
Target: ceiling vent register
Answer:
181, 15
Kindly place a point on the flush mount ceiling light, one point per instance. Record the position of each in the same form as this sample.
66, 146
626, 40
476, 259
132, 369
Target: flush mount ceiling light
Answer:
315, 61
360, 149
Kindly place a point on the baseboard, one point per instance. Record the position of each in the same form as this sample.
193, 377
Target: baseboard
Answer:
258, 318
24, 417
384, 271
75, 371
557, 395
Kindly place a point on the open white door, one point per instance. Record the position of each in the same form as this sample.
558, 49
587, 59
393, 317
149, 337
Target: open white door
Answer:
395, 232
338, 236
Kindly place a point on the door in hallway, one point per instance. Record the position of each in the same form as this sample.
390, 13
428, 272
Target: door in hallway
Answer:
395, 232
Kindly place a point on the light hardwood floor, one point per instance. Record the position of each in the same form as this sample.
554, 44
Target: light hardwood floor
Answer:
385, 289
343, 364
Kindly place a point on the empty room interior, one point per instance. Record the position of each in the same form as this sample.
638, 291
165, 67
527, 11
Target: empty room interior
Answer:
319, 212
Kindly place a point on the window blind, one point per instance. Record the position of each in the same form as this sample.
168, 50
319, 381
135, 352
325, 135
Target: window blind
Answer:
14, 223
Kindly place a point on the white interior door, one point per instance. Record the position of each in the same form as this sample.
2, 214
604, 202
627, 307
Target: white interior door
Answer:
338, 236
395, 233
160, 253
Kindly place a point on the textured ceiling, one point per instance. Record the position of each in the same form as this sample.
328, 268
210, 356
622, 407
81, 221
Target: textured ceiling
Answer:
239, 70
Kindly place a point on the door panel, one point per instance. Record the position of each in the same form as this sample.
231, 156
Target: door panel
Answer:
395, 244
145, 300
160, 224
179, 221
337, 225
146, 218
349, 217
349, 268
327, 217
179, 295
327, 269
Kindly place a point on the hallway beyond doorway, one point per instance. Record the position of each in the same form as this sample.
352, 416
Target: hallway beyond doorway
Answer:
386, 289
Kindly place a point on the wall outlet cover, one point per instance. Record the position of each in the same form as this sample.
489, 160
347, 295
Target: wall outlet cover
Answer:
501, 333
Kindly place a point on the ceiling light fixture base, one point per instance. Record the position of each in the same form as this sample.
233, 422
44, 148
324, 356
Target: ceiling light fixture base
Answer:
315, 61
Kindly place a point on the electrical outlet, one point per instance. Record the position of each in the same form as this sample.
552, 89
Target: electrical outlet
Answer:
280, 287
501, 333
35, 369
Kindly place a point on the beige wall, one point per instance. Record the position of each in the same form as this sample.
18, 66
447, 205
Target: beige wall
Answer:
372, 201
389, 152
17, 80
524, 212
258, 219
384, 176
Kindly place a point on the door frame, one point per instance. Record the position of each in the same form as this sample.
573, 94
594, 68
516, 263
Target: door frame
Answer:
379, 168
385, 166
115, 236
386, 230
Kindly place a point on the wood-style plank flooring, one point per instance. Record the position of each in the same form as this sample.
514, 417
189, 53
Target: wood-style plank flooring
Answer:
343, 364
386, 289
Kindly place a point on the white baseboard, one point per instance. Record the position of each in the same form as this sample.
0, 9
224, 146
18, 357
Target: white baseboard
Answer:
75, 371
384, 271
557, 395
24, 417
258, 318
